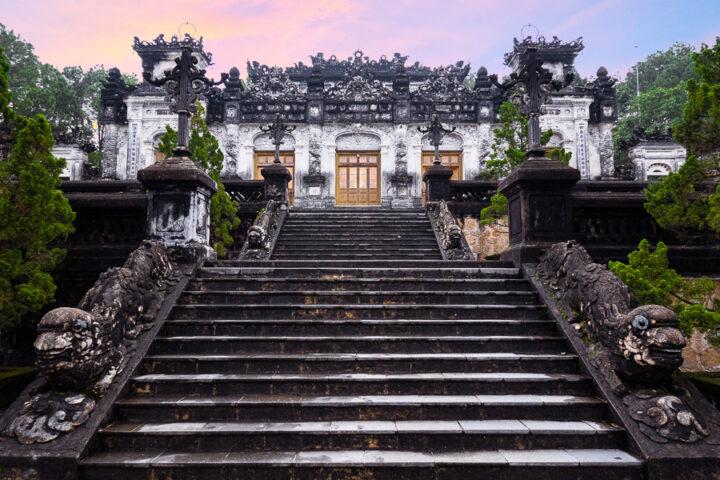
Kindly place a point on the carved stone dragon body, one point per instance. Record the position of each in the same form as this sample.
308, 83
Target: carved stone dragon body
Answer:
633, 346
85, 348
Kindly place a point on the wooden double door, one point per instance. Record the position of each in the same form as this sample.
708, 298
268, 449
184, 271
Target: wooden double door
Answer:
358, 178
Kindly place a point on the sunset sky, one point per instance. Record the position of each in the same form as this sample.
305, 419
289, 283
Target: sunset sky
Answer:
616, 33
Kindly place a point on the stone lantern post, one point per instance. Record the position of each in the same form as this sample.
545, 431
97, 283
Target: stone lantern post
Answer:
538, 191
437, 176
178, 190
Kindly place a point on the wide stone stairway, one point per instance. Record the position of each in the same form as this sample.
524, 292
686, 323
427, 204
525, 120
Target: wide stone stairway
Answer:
357, 353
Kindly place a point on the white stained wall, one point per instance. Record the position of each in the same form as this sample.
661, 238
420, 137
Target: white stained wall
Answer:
74, 158
135, 143
656, 159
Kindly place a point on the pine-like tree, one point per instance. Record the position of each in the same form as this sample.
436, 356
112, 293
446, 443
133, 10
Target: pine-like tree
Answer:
33, 215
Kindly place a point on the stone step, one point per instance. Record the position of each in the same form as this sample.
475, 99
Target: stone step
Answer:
510, 464
335, 363
320, 244
358, 327
357, 236
354, 270
438, 435
352, 219
341, 255
358, 297
407, 265
355, 312
245, 407
360, 344
266, 284
383, 251
350, 242
453, 383
321, 407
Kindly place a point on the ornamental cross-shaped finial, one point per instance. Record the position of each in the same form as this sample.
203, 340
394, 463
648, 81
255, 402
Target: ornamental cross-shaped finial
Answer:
277, 131
534, 82
437, 132
183, 85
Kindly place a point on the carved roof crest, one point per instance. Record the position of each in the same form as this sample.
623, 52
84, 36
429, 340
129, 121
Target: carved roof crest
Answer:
359, 88
273, 84
442, 86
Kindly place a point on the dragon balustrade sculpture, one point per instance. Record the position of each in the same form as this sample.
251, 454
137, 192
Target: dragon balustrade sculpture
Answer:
450, 233
81, 350
636, 347
260, 235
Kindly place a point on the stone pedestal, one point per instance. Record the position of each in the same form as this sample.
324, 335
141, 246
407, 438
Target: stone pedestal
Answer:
539, 206
437, 183
277, 177
179, 206
314, 189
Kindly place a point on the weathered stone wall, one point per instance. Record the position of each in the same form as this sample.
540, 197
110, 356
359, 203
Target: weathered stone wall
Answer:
700, 355
485, 240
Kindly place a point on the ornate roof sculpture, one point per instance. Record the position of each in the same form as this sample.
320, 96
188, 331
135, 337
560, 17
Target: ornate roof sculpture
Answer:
360, 89
443, 85
273, 85
112, 98
357, 87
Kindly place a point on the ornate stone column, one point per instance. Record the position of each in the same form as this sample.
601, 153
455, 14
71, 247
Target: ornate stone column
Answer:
179, 206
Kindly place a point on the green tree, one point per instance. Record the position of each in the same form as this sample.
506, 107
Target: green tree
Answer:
663, 95
508, 150
681, 203
650, 278
206, 153
33, 214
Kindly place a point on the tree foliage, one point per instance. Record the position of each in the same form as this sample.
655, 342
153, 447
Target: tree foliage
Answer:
681, 203
679, 206
508, 150
206, 153
663, 95
651, 280
33, 214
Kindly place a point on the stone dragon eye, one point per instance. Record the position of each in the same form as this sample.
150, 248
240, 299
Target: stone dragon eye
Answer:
640, 323
79, 325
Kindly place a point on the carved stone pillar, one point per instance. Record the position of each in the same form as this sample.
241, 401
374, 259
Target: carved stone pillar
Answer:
277, 177
179, 206
539, 205
437, 183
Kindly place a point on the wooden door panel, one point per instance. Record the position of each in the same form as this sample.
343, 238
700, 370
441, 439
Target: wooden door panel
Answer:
357, 182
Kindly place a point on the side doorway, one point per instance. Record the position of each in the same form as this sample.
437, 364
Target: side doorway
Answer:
264, 159
450, 159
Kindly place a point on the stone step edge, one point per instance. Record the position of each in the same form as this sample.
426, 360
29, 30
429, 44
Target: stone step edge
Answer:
361, 377
377, 427
359, 357
358, 338
361, 321
497, 400
371, 458
396, 306
360, 292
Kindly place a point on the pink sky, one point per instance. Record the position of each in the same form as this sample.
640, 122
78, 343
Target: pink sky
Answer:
277, 32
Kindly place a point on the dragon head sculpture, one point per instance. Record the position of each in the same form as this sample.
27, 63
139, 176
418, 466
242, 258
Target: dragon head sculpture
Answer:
73, 347
648, 343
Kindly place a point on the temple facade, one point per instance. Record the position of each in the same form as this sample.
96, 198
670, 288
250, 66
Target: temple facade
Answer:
356, 140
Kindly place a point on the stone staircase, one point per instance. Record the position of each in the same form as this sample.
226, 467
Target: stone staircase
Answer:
357, 234
354, 354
